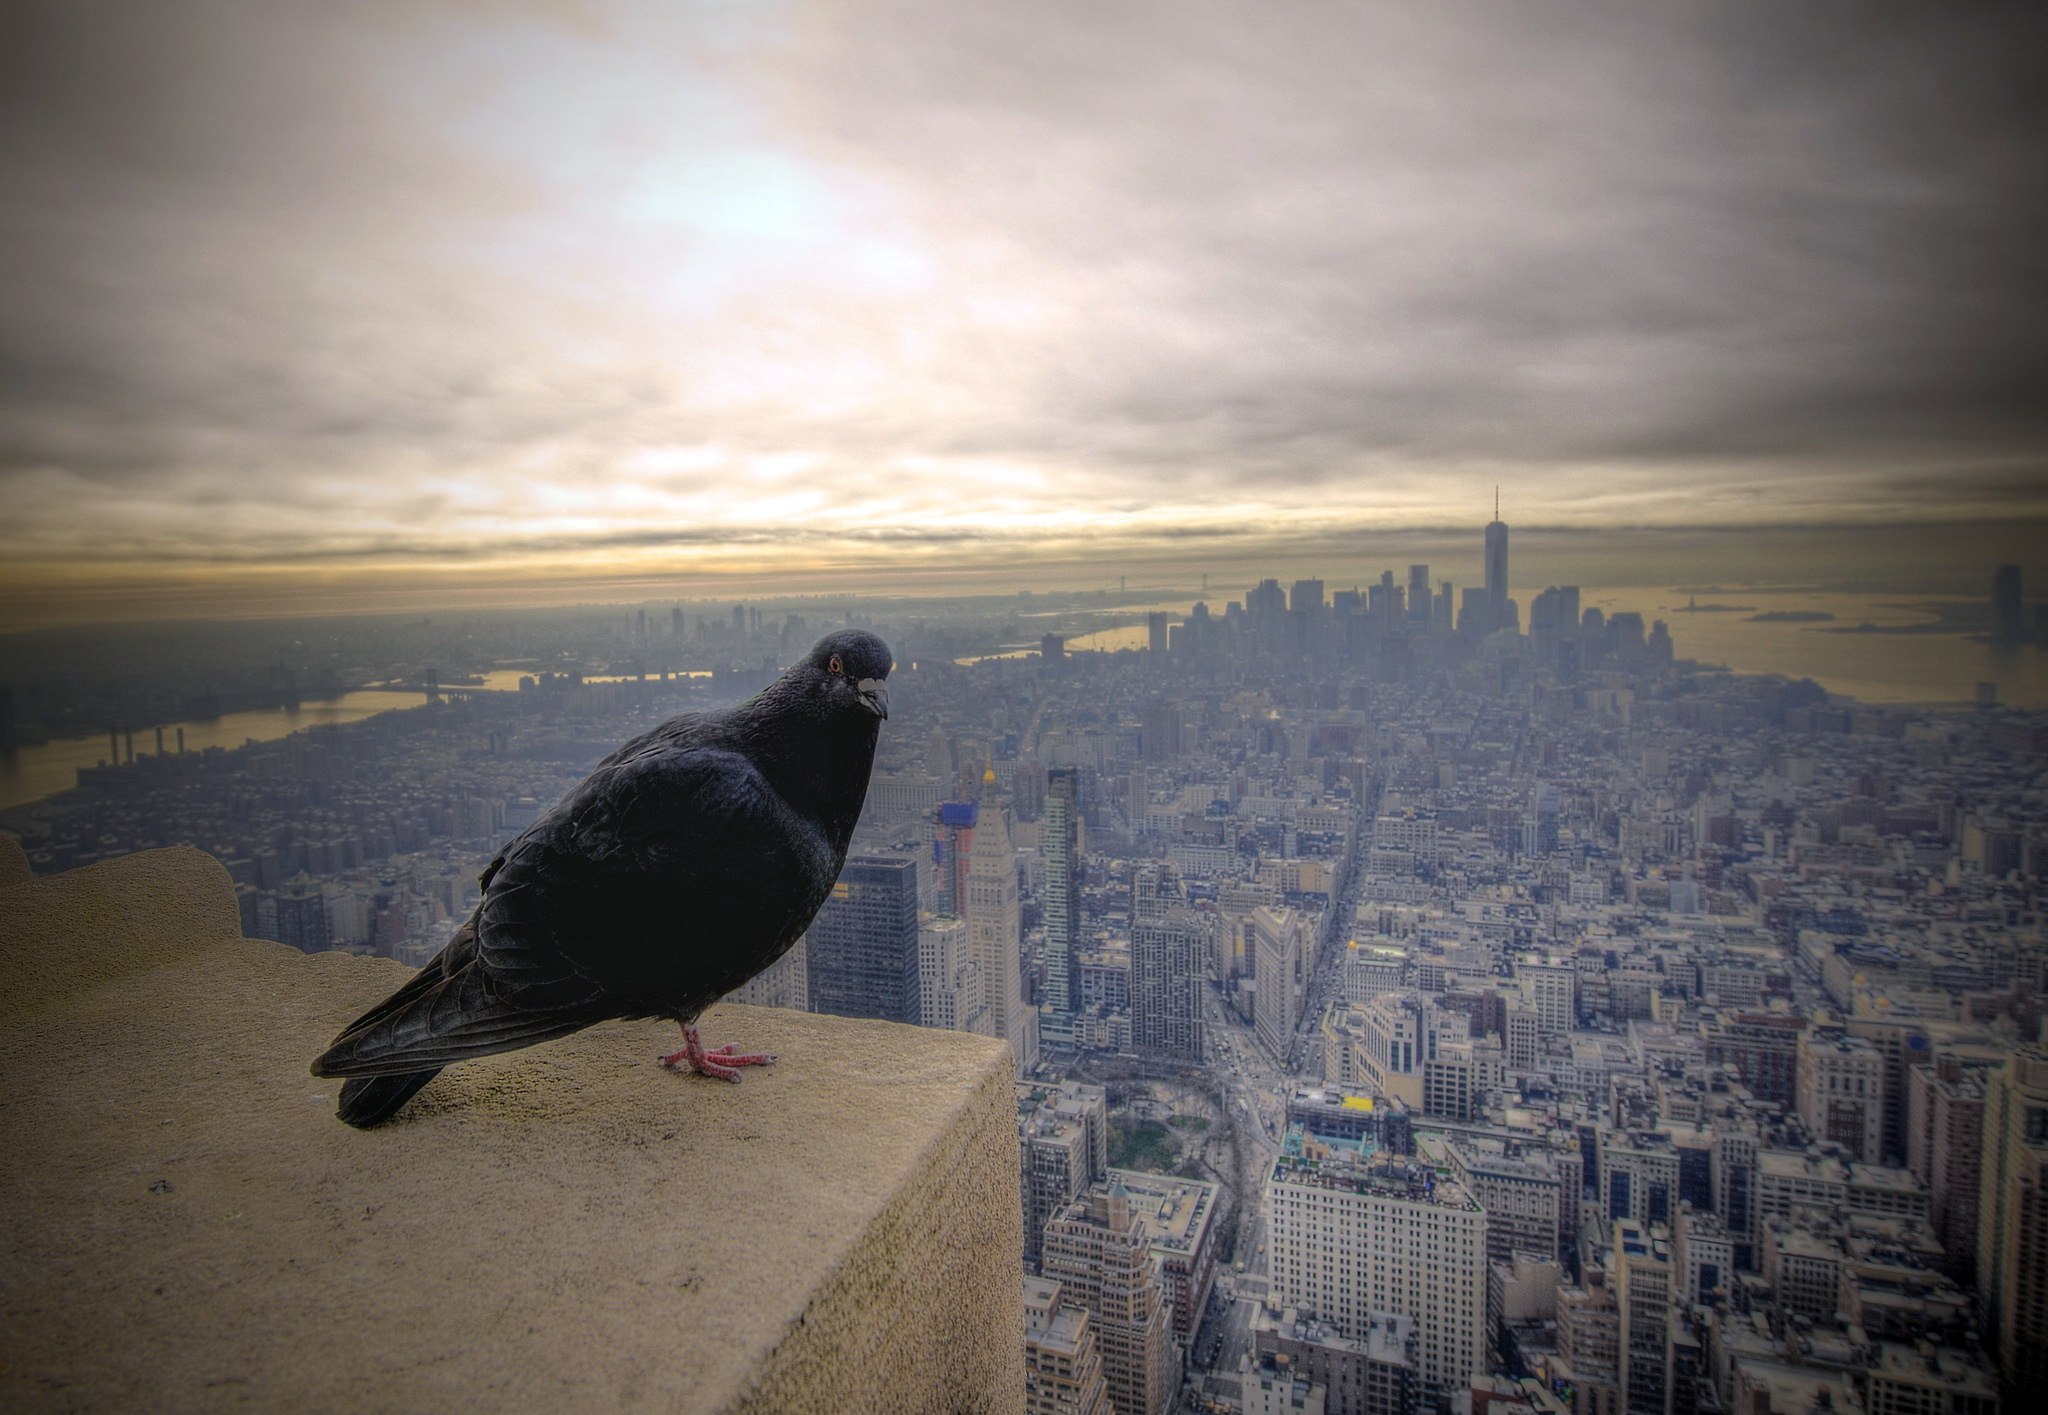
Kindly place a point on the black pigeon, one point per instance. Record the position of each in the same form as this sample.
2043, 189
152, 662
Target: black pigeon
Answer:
691, 859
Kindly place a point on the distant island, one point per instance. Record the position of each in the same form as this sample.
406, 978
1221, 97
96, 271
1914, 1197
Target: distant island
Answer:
1713, 608
1790, 616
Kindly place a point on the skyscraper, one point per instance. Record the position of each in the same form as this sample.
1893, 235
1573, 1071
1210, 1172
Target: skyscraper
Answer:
1496, 569
864, 945
1169, 944
1418, 594
995, 933
1155, 633
1062, 847
2012, 1219
952, 844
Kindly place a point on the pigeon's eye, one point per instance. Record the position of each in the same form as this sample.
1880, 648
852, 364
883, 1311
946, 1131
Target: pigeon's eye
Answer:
835, 665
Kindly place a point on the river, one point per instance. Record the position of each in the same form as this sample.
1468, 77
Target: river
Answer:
31, 773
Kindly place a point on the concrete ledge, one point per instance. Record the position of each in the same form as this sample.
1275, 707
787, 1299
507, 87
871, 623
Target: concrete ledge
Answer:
184, 1224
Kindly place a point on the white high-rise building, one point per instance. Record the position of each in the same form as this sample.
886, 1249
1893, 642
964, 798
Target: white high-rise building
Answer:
949, 987
1353, 1238
995, 935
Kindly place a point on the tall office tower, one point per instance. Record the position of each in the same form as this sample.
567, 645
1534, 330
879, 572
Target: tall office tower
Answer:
784, 983
1445, 616
2008, 618
1568, 611
1168, 945
1155, 634
1060, 842
1306, 597
1496, 570
1100, 1257
1419, 598
1379, 597
1062, 1360
1355, 1237
1265, 609
1899, 1041
1545, 634
2012, 1220
1945, 1147
864, 945
1841, 1082
995, 935
952, 844
1642, 1291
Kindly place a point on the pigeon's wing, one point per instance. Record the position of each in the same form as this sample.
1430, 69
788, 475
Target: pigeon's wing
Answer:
446, 1012
662, 873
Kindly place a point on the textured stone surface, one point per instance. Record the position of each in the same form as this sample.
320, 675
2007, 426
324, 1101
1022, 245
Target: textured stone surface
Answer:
184, 1224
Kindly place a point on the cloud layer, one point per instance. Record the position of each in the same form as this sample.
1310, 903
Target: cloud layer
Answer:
715, 287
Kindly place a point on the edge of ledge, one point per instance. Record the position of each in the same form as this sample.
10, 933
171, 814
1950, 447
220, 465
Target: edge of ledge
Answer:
165, 905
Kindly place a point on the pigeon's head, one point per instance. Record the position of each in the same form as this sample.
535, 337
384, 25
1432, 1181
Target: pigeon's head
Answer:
850, 667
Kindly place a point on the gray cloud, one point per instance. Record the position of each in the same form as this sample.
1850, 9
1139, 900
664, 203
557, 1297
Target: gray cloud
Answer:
389, 271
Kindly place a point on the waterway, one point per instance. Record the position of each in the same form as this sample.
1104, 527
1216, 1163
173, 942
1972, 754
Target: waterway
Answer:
1858, 650
31, 773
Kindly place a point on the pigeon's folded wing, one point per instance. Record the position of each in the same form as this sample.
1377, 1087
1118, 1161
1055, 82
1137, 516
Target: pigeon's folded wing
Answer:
650, 869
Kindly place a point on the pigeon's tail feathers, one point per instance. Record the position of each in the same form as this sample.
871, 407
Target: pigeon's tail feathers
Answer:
452, 1019
372, 1100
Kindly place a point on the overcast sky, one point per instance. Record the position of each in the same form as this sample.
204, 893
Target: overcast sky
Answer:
414, 289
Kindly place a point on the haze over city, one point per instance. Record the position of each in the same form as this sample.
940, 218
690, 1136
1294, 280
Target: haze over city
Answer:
1356, 695
395, 307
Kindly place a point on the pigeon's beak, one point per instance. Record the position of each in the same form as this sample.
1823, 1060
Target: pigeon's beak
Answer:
874, 696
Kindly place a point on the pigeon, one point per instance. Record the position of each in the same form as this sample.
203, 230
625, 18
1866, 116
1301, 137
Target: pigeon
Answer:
687, 862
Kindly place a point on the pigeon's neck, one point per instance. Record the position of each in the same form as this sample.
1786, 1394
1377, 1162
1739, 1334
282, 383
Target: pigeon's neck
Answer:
820, 769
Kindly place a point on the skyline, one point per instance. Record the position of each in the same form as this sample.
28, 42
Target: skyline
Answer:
421, 307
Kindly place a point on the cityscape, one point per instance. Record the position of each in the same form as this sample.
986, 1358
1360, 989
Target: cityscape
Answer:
1460, 824
1421, 1002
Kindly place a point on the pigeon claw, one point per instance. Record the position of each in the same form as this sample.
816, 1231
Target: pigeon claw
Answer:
721, 1062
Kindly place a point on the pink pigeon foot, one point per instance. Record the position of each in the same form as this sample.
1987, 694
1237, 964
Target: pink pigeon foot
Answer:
719, 1061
